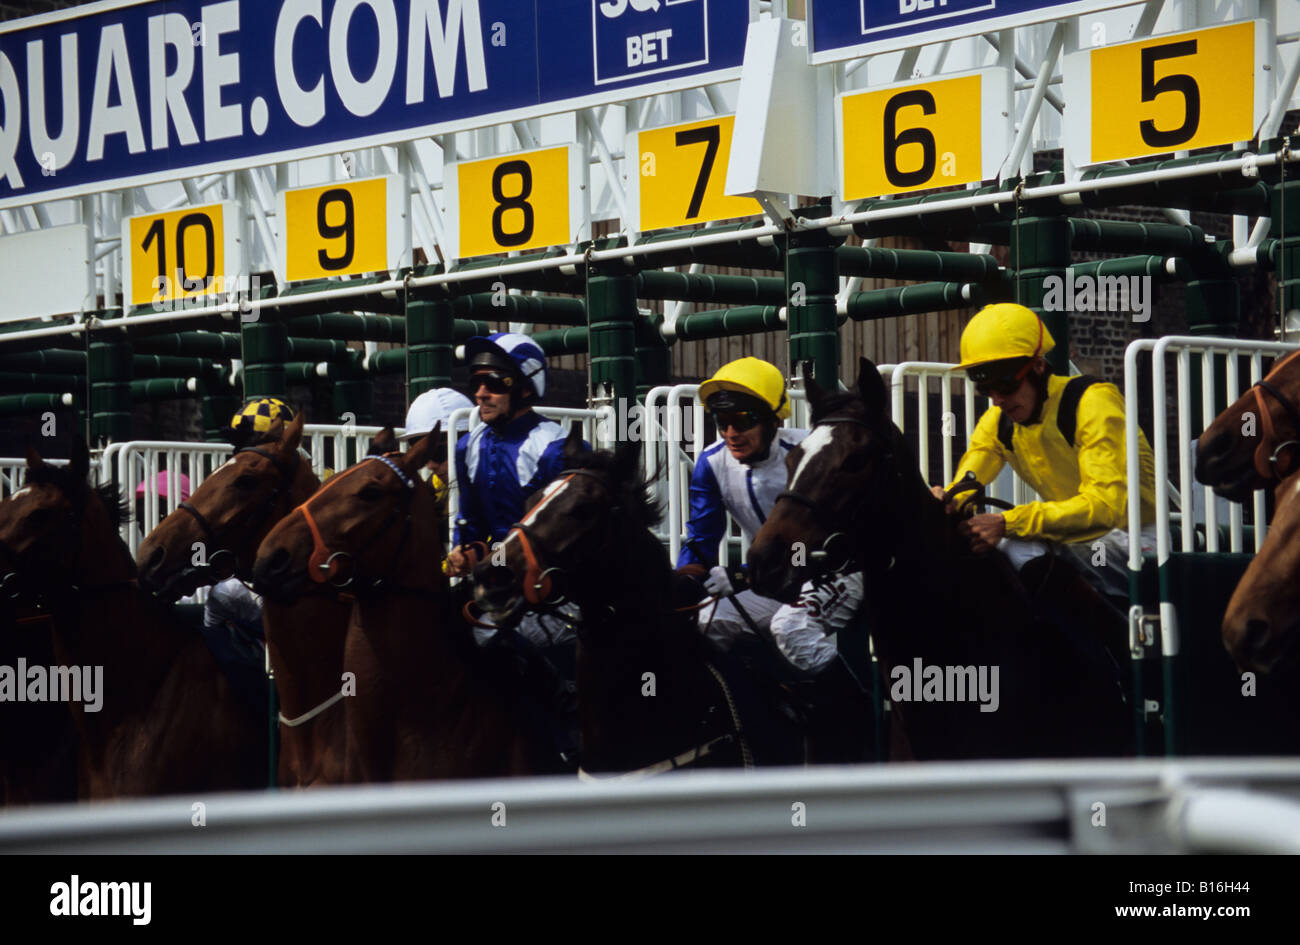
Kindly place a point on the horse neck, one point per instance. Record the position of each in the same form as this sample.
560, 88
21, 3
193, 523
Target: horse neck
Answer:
305, 644
304, 485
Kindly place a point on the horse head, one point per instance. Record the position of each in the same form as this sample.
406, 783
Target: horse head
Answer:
567, 544
1261, 627
51, 528
216, 533
840, 490
1255, 443
369, 526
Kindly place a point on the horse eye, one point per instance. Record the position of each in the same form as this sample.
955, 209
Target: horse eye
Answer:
246, 481
371, 493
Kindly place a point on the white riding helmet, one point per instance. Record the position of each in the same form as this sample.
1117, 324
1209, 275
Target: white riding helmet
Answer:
432, 407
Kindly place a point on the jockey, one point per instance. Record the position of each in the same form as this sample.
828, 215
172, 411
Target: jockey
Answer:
1062, 436
253, 422
431, 408
743, 473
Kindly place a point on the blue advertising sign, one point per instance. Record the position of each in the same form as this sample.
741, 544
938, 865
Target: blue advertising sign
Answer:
137, 92
847, 29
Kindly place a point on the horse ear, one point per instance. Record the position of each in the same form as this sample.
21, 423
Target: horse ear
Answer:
34, 458
385, 441
421, 451
872, 387
814, 391
573, 443
79, 462
291, 434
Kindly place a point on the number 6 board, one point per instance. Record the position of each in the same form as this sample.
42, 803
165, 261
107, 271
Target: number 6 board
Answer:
343, 229
182, 255
524, 200
922, 134
1180, 91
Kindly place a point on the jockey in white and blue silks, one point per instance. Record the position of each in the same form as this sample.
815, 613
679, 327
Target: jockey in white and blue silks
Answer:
512, 454
743, 473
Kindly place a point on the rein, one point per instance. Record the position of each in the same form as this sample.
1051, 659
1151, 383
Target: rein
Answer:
322, 565
1267, 464
283, 484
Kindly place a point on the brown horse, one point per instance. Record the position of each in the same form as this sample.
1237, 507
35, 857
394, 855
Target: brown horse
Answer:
856, 499
1255, 443
228, 516
424, 706
651, 694
38, 741
164, 719
1261, 628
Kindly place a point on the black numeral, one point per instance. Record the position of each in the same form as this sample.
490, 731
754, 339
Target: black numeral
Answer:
895, 139
709, 135
346, 229
518, 202
1177, 82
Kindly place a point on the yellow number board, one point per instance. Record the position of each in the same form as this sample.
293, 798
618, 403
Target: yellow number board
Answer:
681, 172
920, 135
181, 255
341, 229
1196, 89
527, 200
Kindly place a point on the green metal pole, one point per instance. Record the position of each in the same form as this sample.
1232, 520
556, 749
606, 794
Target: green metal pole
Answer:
1040, 247
108, 370
265, 351
654, 359
429, 339
811, 279
611, 332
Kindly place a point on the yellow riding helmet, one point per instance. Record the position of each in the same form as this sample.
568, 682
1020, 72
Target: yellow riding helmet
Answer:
751, 376
259, 415
1001, 331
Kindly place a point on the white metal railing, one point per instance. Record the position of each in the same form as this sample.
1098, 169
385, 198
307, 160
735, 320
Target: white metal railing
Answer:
13, 473
1188, 417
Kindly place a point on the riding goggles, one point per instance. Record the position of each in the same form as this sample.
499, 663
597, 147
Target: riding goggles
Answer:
494, 381
739, 420
1004, 384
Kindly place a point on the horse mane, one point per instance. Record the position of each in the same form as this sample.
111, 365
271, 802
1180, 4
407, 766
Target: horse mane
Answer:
62, 478
834, 403
635, 492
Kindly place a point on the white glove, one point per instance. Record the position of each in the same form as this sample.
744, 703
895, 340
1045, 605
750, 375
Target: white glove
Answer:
718, 584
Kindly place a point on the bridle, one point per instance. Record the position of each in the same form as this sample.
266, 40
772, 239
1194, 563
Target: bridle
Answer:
1266, 464
324, 565
836, 559
224, 557
539, 585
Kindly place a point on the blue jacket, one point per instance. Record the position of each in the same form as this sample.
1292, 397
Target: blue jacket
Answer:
497, 472
720, 484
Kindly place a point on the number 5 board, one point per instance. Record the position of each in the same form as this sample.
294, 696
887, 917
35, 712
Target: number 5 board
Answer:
1196, 89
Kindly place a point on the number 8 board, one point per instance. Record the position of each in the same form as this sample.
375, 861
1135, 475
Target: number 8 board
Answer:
1197, 89
525, 200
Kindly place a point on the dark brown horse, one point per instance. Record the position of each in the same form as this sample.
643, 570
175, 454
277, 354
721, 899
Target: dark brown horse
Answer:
1255, 443
651, 696
164, 718
38, 741
424, 705
226, 519
856, 499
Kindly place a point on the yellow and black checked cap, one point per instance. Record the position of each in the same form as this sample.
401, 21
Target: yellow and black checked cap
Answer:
258, 415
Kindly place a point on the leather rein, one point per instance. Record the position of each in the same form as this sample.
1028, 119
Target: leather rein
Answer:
1267, 464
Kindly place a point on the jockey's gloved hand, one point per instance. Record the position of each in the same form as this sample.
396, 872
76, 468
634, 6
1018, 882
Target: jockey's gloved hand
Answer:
718, 582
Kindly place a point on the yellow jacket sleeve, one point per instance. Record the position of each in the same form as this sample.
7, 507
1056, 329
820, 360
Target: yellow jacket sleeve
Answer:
986, 455
1102, 501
